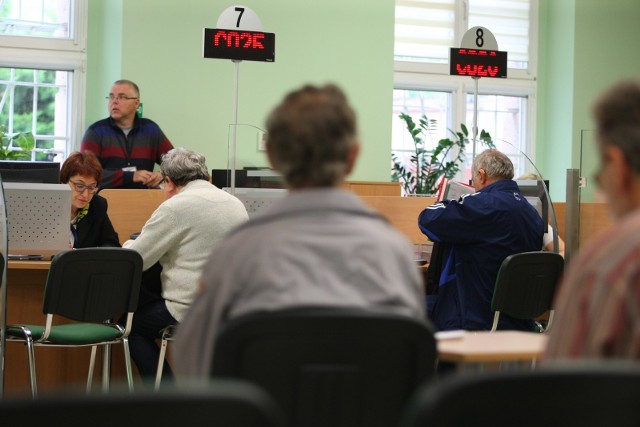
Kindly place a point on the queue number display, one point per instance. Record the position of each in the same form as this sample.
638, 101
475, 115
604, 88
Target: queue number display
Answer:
477, 62
239, 45
478, 55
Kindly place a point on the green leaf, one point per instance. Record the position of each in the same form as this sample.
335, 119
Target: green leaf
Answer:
428, 165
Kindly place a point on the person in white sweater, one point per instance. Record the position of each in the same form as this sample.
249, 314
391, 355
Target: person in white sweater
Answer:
179, 236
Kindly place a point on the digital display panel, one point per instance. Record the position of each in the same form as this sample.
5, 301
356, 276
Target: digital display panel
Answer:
477, 63
239, 45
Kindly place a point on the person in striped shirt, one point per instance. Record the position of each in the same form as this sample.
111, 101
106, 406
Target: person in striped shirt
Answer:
127, 146
598, 302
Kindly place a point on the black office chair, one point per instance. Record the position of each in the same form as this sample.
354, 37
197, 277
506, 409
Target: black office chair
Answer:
220, 404
91, 287
525, 286
590, 394
329, 367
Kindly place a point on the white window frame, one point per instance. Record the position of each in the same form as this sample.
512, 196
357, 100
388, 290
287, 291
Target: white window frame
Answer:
56, 54
409, 75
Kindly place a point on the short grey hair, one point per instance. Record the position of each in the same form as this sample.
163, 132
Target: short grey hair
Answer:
496, 164
183, 166
310, 135
135, 87
617, 115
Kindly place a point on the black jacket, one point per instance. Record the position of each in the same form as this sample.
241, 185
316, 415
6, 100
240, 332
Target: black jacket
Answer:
95, 229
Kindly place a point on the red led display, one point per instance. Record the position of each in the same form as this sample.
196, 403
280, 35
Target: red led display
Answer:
477, 63
239, 45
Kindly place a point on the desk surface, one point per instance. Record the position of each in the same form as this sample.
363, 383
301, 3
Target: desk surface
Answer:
29, 265
499, 346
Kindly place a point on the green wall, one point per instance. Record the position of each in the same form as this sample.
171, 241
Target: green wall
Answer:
588, 45
555, 92
348, 43
584, 46
104, 52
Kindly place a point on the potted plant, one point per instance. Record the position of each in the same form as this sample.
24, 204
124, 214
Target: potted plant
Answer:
16, 146
429, 166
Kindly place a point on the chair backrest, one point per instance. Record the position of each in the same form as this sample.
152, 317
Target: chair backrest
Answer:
526, 284
578, 395
219, 404
93, 284
329, 367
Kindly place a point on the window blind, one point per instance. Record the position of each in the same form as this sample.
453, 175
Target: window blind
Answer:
508, 20
425, 29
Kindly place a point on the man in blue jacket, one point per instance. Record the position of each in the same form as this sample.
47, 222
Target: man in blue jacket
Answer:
478, 232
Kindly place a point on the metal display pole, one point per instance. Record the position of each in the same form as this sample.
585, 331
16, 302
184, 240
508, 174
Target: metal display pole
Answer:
572, 215
238, 37
474, 130
234, 124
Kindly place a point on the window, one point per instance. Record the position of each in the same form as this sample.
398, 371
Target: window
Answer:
36, 18
424, 32
436, 105
36, 101
42, 61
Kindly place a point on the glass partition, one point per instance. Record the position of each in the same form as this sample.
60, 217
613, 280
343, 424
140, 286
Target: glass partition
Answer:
594, 211
247, 156
588, 167
253, 182
535, 187
3, 283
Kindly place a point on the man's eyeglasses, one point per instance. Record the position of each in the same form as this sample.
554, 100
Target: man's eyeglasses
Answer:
81, 188
120, 97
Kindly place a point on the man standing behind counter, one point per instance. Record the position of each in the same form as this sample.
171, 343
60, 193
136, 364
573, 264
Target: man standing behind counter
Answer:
127, 146
480, 230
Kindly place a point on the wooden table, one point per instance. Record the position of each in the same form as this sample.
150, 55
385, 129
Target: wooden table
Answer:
499, 346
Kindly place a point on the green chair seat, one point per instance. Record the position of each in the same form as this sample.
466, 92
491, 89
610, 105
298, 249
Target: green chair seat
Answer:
73, 333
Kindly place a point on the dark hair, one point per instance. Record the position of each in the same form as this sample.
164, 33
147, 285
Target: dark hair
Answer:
617, 114
310, 135
83, 164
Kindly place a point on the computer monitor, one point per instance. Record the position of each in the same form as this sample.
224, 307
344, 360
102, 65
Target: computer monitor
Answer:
38, 217
221, 178
534, 191
34, 172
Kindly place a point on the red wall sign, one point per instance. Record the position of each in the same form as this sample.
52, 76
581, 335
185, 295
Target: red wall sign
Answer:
477, 62
239, 45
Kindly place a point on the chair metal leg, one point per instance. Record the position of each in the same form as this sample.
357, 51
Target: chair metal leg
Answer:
550, 321
163, 351
127, 362
106, 367
496, 318
32, 364
92, 365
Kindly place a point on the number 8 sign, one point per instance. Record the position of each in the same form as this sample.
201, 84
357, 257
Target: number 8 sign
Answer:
478, 56
479, 38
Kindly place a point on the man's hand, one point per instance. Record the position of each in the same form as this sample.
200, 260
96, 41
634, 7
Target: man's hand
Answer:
148, 178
